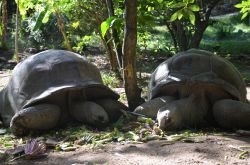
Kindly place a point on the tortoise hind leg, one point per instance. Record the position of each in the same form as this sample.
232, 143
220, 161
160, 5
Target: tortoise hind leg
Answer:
38, 117
232, 114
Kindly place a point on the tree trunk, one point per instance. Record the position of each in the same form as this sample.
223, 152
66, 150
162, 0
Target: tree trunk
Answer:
198, 34
202, 24
17, 32
172, 36
116, 41
111, 54
62, 29
133, 92
181, 36
184, 37
4, 23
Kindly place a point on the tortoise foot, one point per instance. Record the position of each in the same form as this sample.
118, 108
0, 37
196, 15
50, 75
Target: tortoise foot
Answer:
38, 117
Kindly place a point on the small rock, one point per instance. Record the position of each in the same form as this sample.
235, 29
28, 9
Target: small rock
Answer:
51, 142
2, 130
15, 151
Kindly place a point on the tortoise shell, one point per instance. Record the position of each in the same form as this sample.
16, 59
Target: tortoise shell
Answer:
194, 71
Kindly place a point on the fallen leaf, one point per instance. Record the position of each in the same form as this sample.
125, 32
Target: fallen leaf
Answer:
34, 150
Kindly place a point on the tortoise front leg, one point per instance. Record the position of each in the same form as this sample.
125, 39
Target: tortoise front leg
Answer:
37, 117
232, 114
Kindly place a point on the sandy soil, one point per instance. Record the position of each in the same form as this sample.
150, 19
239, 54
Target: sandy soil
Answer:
214, 150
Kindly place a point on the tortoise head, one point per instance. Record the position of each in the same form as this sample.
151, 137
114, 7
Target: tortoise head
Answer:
169, 118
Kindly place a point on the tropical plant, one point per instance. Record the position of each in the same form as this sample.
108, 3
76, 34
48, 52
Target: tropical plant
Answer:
245, 8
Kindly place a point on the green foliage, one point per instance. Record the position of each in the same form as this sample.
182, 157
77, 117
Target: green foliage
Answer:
41, 17
245, 8
155, 41
110, 80
46, 36
82, 42
226, 46
223, 30
227, 35
111, 22
185, 10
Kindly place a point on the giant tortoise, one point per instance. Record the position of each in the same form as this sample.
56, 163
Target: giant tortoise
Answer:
54, 87
196, 88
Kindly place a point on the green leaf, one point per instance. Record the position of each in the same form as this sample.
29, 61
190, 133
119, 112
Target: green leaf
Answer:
174, 16
244, 15
239, 5
106, 25
40, 18
104, 28
192, 17
47, 15
133, 136
8, 145
75, 24
178, 5
179, 14
194, 7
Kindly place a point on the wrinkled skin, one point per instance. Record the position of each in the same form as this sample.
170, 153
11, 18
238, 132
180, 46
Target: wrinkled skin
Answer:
204, 90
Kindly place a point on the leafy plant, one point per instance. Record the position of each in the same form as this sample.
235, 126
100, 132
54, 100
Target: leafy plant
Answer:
185, 10
245, 8
110, 80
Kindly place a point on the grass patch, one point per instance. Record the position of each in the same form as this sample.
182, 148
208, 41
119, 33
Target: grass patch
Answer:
226, 46
110, 79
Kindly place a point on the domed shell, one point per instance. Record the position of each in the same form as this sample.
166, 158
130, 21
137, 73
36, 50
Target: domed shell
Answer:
197, 67
52, 71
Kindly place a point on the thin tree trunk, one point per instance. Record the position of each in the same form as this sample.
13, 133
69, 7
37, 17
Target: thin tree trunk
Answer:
197, 37
108, 45
181, 36
185, 38
172, 35
201, 25
4, 23
111, 54
17, 32
62, 29
133, 92
116, 41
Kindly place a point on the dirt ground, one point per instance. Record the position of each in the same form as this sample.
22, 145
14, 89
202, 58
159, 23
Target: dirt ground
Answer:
214, 150
210, 149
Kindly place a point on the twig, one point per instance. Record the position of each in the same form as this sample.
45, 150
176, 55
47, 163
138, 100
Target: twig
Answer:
18, 157
237, 148
243, 154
